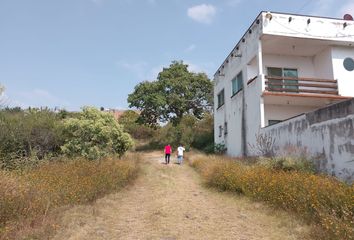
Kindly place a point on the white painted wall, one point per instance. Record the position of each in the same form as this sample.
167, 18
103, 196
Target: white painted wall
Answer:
320, 28
234, 118
253, 111
232, 110
323, 64
344, 77
304, 65
283, 112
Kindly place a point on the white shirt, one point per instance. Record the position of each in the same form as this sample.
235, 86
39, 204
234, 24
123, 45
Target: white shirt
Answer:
180, 151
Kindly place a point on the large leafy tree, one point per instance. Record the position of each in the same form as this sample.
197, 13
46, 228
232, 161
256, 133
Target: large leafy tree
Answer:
176, 92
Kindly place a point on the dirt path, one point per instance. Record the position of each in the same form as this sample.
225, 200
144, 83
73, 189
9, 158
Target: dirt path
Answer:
169, 202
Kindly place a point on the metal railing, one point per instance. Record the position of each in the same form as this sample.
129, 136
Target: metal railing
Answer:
301, 85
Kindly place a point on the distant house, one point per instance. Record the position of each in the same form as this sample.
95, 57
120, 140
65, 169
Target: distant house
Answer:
284, 65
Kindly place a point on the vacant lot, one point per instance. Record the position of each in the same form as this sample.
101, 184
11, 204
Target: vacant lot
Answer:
169, 202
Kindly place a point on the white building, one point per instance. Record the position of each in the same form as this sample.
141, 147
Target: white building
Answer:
283, 66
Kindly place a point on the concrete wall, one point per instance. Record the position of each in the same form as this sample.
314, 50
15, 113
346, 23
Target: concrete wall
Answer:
345, 78
327, 135
232, 110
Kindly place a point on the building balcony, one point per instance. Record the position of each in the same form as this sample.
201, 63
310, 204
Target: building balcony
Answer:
286, 97
301, 85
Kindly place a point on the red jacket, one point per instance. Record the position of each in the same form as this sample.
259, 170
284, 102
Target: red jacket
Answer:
168, 149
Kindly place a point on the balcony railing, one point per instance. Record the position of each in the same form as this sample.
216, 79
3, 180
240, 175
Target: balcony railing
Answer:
301, 85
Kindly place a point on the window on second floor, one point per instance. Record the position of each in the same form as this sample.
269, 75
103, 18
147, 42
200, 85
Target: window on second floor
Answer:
278, 85
237, 84
221, 98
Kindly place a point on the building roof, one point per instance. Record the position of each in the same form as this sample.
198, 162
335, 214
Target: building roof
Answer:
257, 20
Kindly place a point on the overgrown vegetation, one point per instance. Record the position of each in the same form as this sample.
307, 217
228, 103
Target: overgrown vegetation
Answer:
28, 136
35, 175
31, 194
132, 125
190, 132
93, 135
324, 201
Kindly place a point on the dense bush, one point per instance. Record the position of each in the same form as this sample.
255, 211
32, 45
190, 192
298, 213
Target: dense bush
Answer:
190, 132
322, 200
129, 120
27, 136
94, 134
34, 192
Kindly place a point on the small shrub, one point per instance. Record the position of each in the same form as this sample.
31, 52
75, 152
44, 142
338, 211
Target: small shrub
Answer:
288, 164
263, 146
322, 200
219, 148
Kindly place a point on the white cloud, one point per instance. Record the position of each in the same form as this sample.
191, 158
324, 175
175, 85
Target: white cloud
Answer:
203, 13
190, 48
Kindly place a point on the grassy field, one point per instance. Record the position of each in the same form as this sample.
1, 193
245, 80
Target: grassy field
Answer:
321, 200
27, 198
170, 202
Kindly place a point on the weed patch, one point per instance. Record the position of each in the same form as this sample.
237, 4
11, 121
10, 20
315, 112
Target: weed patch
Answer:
31, 194
322, 200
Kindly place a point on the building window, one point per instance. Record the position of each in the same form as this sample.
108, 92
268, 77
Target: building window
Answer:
348, 64
237, 84
221, 98
225, 128
220, 131
279, 84
272, 122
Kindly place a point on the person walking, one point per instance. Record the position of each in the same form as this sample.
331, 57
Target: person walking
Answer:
180, 151
168, 151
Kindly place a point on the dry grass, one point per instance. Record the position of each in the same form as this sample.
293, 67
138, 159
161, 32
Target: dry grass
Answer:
26, 198
169, 202
324, 201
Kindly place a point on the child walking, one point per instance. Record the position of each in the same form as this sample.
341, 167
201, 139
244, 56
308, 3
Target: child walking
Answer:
180, 151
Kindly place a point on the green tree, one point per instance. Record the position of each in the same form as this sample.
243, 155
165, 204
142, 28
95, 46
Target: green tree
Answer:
175, 93
94, 134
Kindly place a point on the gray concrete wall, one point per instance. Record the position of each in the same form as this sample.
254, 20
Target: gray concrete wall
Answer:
326, 135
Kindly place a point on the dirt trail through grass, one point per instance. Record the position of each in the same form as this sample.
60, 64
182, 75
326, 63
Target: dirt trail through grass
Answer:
169, 202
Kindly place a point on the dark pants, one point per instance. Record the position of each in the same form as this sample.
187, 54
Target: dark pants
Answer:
167, 158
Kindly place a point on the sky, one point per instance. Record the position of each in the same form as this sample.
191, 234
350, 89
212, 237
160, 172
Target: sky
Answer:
74, 53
